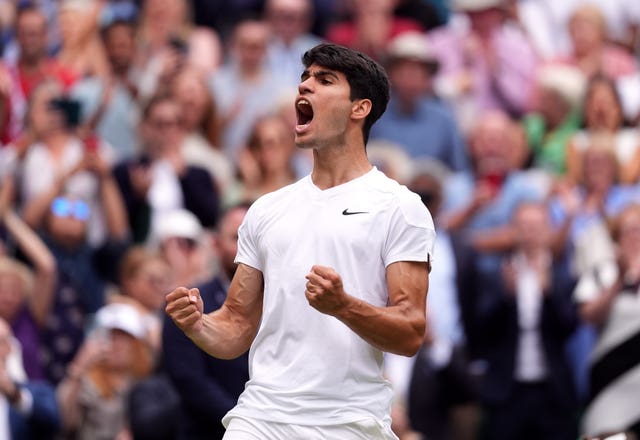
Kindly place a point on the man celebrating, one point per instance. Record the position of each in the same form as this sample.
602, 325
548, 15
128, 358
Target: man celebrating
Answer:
333, 270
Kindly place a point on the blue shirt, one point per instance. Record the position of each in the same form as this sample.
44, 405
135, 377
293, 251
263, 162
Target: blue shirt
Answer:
429, 131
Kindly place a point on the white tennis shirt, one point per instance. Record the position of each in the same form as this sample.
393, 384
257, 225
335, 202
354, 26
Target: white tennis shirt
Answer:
307, 367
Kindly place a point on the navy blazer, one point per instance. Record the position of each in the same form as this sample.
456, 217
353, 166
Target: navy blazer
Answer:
208, 387
497, 318
199, 193
44, 420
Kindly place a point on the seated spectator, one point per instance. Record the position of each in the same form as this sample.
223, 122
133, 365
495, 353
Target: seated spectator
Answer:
603, 114
267, 163
244, 89
208, 387
290, 22
528, 316
415, 118
114, 357
592, 53
607, 298
168, 40
160, 180
371, 26
29, 408
487, 61
556, 117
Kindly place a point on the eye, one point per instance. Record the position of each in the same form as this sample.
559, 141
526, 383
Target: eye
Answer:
325, 82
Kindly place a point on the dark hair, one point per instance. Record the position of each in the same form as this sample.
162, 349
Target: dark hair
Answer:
367, 79
131, 24
607, 81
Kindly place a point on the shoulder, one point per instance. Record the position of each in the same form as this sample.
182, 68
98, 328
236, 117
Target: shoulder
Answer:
403, 202
269, 202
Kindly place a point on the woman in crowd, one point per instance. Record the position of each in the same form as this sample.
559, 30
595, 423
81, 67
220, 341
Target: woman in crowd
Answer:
603, 113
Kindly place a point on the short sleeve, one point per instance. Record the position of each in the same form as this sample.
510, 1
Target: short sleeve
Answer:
591, 283
248, 252
411, 233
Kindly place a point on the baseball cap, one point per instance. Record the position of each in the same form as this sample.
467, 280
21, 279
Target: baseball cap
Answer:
120, 316
476, 5
178, 223
412, 46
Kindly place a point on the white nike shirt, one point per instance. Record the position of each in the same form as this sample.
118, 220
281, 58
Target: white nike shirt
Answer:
306, 367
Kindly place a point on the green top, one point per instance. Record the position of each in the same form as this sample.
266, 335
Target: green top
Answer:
550, 147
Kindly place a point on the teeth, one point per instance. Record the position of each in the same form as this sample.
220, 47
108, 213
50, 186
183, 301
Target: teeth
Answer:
303, 102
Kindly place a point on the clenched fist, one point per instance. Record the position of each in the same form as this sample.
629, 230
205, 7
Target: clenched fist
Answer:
324, 290
185, 307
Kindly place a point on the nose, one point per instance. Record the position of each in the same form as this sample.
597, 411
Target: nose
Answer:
305, 86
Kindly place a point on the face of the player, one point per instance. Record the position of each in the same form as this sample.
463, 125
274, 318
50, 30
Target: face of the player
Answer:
323, 108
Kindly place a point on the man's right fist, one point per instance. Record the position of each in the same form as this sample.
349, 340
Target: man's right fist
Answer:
185, 307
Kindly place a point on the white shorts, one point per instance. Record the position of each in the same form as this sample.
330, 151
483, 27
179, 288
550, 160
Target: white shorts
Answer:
242, 428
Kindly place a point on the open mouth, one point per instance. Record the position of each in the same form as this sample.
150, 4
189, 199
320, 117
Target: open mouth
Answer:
304, 112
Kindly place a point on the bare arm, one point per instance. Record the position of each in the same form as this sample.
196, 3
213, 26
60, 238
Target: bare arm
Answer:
397, 328
229, 331
44, 263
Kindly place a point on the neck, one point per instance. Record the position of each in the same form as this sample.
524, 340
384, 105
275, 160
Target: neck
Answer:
333, 166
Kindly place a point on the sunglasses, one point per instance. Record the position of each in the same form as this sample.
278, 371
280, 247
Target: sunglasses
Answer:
77, 209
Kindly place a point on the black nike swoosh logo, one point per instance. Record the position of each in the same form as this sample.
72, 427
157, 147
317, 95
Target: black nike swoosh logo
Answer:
347, 212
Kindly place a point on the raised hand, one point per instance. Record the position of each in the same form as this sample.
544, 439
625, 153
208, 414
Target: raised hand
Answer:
324, 290
185, 307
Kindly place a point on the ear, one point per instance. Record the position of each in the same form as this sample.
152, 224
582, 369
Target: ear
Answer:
360, 109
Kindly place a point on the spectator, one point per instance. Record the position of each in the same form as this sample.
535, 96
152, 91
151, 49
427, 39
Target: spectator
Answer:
209, 387
290, 22
82, 51
109, 104
180, 240
26, 296
29, 408
603, 114
371, 27
144, 279
92, 397
159, 180
607, 297
267, 164
527, 317
442, 400
201, 124
482, 201
58, 162
244, 89
415, 118
479, 68
556, 117
592, 53
32, 67
168, 40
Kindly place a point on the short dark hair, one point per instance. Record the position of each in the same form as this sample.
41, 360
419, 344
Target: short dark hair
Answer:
367, 79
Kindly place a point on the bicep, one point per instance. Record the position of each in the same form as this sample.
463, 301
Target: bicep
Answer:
244, 299
407, 284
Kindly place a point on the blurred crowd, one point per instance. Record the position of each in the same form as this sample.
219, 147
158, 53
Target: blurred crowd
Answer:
135, 134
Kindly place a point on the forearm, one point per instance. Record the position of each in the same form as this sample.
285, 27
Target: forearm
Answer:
395, 329
224, 334
114, 209
499, 239
67, 397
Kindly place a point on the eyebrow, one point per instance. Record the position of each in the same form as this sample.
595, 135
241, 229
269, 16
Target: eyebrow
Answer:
318, 73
